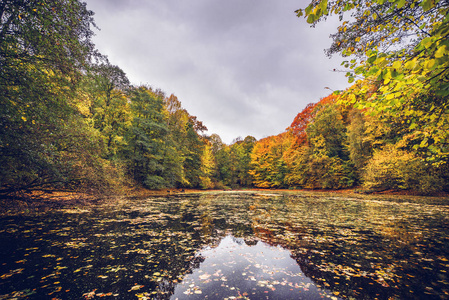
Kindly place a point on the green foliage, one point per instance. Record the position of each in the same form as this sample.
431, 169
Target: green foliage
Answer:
328, 173
192, 167
360, 149
107, 106
402, 49
328, 163
222, 175
329, 131
55, 33
44, 47
67, 123
240, 161
145, 138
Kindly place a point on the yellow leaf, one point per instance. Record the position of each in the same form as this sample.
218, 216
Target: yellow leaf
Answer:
430, 64
352, 98
24, 119
441, 51
389, 96
410, 64
397, 64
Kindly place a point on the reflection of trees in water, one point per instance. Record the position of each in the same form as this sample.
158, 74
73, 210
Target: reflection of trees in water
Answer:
358, 248
364, 250
361, 249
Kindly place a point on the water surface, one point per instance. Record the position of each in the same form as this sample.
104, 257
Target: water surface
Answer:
247, 245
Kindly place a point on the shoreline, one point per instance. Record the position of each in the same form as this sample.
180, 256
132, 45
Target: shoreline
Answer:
38, 203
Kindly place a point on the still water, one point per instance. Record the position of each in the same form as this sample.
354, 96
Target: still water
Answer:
230, 245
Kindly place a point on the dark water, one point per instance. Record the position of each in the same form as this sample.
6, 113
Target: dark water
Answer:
243, 245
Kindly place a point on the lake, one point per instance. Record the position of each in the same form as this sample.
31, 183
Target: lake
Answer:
230, 245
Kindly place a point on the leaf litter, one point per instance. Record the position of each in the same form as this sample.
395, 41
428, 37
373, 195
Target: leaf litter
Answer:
230, 245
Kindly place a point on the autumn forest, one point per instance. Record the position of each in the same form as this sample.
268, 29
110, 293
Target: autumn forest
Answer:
71, 121
100, 178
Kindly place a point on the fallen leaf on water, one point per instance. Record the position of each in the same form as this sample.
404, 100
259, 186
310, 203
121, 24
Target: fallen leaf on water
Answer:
136, 287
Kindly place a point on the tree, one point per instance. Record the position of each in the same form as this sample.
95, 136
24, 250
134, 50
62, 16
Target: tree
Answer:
268, 164
177, 121
207, 167
379, 23
360, 147
56, 34
329, 165
302, 119
248, 145
146, 143
194, 151
240, 161
44, 48
106, 86
220, 151
393, 168
189, 146
328, 126
402, 48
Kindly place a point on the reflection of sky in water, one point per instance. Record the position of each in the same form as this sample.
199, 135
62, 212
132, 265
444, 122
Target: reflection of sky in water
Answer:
248, 270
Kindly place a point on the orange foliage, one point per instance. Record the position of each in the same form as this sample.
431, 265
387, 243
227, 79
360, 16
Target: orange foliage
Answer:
299, 124
268, 162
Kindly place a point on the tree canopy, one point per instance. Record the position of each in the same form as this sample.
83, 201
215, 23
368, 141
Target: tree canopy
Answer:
70, 120
400, 51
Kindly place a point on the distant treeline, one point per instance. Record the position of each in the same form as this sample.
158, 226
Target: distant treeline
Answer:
70, 120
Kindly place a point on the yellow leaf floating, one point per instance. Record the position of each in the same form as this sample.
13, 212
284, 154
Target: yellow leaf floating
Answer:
136, 287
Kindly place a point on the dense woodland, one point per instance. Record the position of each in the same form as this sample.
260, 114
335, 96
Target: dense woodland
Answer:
71, 120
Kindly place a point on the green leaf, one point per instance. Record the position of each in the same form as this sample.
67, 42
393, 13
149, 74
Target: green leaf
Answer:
427, 4
371, 59
430, 64
443, 90
308, 9
401, 3
311, 18
323, 5
381, 62
427, 42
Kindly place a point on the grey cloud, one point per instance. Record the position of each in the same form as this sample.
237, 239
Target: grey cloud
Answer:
243, 67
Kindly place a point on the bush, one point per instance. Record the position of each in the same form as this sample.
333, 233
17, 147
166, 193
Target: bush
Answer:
392, 168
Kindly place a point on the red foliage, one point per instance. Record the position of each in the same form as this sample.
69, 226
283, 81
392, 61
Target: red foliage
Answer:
299, 124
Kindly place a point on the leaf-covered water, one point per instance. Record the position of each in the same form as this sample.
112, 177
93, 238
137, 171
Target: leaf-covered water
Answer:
232, 245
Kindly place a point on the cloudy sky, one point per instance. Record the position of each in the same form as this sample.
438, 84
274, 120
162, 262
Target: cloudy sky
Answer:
243, 67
